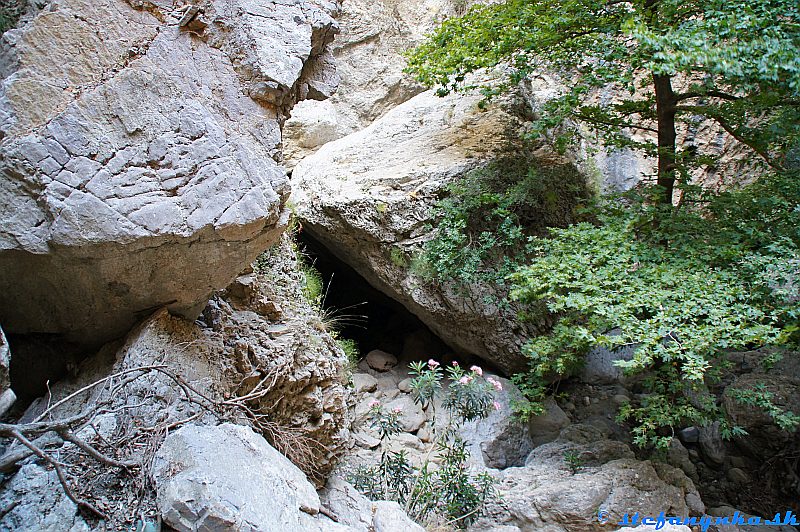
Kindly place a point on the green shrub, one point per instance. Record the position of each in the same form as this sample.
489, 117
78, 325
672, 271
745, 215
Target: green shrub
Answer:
484, 227
573, 460
313, 285
351, 351
10, 12
680, 291
398, 257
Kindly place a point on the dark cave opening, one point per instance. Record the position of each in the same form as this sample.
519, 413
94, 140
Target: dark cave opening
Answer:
365, 314
37, 361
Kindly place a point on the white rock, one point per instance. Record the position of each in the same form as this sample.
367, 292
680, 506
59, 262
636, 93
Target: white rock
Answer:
411, 415
365, 440
123, 181
365, 194
228, 477
500, 440
381, 360
546, 426
387, 382
405, 385
364, 382
390, 517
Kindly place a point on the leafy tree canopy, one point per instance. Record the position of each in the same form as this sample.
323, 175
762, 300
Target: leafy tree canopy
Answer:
738, 61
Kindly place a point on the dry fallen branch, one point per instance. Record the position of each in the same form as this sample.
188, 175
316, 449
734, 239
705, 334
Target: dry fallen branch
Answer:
48, 431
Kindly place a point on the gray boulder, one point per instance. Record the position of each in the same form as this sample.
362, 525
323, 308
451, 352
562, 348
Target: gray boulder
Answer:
228, 477
390, 517
411, 415
548, 425
599, 365
36, 502
546, 495
499, 440
381, 360
137, 149
711, 444
348, 505
364, 382
358, 513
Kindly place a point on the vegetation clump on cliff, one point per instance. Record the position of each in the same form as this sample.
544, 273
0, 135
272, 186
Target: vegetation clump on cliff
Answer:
683, 277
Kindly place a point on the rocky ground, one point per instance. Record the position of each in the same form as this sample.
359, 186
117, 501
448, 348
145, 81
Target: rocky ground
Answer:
537, 486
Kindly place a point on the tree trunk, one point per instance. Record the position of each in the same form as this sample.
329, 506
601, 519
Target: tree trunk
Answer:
665, 112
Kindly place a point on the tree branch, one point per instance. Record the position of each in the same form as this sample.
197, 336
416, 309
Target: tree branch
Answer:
62, 476
70, 436
711, 93
731, 130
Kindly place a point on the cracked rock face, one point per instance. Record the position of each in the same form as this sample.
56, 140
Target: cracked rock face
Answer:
139, 153
368, 55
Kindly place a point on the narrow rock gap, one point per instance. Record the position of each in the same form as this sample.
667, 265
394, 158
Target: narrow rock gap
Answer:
365, 314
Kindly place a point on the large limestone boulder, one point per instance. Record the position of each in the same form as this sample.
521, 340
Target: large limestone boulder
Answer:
368, 198
359, 513
368, 55
138, 153
500, 440
229, 478
546, 495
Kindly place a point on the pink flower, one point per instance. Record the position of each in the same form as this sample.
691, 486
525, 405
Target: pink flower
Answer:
466, 379
497, 385
496, 405
477, 370
374, 403
455, 363
432, 363
397, 409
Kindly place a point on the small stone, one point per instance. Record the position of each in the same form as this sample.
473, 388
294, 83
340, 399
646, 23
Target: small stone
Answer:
405, 442
722, 511
411, 415
365, 440
381, 360
569, 407
387, 382
738, 476
620, 399
388, 395
678, 456
424, 434
405, 385
267, 308
695, 504
364, 382
689, 435
586, 401
711, 444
